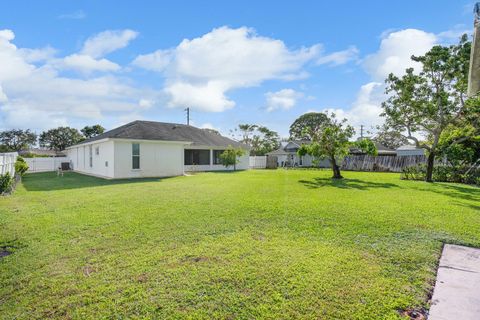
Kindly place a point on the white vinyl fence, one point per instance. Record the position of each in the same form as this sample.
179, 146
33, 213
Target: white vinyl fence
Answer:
7, 162
257, 162
44, 164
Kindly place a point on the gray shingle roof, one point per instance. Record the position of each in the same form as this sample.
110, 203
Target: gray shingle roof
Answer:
162, 131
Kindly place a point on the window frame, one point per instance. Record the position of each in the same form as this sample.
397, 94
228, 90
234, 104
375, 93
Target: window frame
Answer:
190, 155
135, 156
90, 156
216, 156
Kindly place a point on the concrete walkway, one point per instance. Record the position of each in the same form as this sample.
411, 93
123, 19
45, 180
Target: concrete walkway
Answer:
457, 290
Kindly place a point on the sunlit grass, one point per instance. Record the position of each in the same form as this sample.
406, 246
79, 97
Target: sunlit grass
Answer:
253, 244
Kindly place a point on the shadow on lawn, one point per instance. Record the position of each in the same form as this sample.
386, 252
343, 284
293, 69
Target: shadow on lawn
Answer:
50, 181
345, 184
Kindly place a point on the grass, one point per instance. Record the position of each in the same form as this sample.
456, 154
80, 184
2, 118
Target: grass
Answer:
254, 244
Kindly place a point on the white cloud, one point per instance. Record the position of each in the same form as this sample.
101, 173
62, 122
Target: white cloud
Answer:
37, 55
284, 99
396, 49
107, 41
199, 72
86, 64
156, 61
3, 96
366, 109
340, 57
40, 97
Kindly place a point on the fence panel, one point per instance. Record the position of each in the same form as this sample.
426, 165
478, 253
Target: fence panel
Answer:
44, 164
258, 162
381, 163
7, 162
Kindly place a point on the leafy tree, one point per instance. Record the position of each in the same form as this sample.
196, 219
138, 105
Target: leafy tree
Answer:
389, 138
230, 156
92, 131
366, 145
60, 138
308, 122
261, 139
425, 104
330, 140
17, 139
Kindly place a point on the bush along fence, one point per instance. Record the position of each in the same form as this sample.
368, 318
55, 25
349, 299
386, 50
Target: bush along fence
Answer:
381, 163
12, 169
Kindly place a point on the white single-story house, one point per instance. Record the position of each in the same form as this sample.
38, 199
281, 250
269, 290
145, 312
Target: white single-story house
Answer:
409, 150
287, 156
152, 149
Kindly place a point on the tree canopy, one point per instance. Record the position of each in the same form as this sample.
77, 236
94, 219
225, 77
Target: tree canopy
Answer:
17, 139
92, 131
230, 156
261, 139
330, 140
60, 138
426, 102
306, 123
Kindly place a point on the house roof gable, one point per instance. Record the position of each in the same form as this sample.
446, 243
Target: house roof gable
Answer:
162, 131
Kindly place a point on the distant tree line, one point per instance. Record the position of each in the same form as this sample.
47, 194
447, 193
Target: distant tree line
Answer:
54, 139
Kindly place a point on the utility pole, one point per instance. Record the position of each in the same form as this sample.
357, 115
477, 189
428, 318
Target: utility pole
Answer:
187, 110
474, 74
361, 131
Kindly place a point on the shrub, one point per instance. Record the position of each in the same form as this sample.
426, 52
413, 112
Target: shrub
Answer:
442, 173
21, 166
6, 183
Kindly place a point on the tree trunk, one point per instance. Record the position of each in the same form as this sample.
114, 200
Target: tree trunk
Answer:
336, 169
430, 164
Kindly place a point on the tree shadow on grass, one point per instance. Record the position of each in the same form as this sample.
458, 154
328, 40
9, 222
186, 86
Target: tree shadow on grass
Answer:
48, 181
457, 191
345, 184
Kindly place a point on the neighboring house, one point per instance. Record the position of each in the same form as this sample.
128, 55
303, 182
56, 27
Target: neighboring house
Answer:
151, 149
287, 156
381, 150
409, 150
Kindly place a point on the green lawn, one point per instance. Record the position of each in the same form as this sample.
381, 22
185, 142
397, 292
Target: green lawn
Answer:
254, 244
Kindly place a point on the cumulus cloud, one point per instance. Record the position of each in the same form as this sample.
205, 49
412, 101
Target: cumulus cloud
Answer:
40, 96
199, 72
84, 63
340, 57
284, 99
107, 41
396, 49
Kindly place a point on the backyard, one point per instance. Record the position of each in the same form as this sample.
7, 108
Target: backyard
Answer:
243, 245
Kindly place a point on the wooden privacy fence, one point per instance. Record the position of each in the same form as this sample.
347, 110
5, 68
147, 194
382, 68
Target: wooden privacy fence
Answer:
44, 164
7, 162
381, 163
257, 162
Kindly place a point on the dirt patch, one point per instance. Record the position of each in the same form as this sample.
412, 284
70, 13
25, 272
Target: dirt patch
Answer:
88, 270
415, 314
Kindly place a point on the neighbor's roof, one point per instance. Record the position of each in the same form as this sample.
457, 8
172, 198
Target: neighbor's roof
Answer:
162, 131
408, 147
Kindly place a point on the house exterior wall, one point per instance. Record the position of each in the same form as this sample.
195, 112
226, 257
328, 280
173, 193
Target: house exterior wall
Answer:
102, 163
157, 159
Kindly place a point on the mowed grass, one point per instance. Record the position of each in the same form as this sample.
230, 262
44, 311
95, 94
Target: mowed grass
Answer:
256, 244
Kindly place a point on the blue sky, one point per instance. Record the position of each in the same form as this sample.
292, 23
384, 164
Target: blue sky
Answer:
266, 62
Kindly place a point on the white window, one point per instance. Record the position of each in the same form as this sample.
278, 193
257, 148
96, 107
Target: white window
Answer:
90, 156
135, 156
